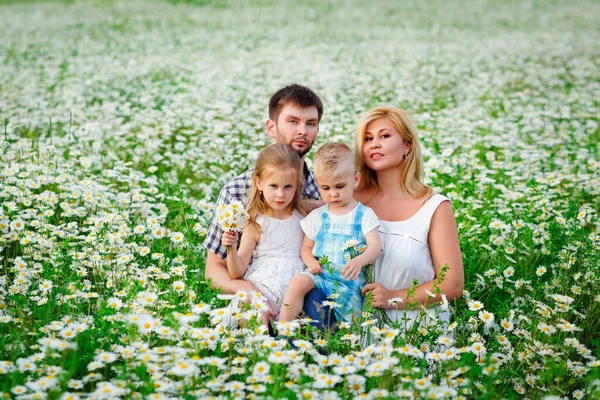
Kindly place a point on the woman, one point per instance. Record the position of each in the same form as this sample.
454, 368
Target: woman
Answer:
418, 228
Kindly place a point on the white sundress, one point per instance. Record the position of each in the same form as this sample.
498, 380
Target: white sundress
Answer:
276, 258
406, 256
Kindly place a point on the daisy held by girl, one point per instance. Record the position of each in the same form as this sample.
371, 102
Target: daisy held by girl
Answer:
328, 230
269, 250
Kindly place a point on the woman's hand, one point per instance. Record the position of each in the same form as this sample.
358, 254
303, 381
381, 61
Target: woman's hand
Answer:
229, 239
379, 295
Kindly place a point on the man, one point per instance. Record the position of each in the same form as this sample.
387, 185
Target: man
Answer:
294, 115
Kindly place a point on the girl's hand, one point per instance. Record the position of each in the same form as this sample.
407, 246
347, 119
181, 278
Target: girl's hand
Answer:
380, 295
229, 239
314, 267
351, 270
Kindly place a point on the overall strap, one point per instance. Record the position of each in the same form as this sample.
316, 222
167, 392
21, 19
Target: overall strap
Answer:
325, 225
359, 214
325, 215
357, 224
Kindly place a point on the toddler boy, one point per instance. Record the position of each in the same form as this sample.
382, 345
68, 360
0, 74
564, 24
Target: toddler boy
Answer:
329, 230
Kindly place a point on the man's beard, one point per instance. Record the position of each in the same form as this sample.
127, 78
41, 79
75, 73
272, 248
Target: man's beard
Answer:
302, 153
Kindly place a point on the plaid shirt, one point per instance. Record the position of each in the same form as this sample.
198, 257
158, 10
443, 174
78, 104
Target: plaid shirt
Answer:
237, 189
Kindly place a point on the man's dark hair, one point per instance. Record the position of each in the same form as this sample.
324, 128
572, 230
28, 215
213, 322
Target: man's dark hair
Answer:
297, 95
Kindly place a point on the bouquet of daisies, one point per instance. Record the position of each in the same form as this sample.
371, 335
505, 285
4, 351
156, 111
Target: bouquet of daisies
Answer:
232, 216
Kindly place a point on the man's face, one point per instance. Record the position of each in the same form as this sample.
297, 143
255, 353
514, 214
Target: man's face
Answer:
295, 126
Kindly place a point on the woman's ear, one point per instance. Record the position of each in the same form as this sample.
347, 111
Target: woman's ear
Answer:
356, 179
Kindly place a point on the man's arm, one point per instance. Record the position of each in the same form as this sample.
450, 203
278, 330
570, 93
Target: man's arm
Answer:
216, 270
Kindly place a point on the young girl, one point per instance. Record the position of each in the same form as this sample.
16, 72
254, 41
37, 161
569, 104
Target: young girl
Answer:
272, 237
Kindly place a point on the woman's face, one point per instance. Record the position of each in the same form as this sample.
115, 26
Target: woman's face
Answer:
383, 147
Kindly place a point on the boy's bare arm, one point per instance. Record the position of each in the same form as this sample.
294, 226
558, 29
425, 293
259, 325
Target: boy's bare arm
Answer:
312, 264
373, 250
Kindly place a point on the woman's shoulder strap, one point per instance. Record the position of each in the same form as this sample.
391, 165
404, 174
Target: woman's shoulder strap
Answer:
419, 224
431, 205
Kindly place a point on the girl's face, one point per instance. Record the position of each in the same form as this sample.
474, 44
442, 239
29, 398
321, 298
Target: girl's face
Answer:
383, 146
278, 188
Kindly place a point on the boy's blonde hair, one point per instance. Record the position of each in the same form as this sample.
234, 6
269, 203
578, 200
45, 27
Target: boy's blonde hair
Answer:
275, 158
333, 159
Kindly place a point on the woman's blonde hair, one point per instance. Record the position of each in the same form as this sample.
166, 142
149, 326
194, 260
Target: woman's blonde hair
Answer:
275, 158
411, 179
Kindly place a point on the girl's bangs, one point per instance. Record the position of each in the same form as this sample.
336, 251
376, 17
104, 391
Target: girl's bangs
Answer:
286, 170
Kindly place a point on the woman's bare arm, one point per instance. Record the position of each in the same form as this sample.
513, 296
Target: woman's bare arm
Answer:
445, 250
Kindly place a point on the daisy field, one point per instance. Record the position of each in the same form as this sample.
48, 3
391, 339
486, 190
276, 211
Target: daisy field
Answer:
120, 121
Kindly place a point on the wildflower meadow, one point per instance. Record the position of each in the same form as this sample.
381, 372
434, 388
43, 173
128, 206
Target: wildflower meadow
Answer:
120, 121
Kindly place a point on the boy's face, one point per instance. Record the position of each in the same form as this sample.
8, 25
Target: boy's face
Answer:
295, 126
337, 190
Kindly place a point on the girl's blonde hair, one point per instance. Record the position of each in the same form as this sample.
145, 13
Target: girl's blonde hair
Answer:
275, 158
411, 179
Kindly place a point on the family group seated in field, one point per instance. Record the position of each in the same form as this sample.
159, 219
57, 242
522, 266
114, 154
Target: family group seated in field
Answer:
313, 236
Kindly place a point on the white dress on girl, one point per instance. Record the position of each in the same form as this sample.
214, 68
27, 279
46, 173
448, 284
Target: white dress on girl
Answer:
406, 256
276, 258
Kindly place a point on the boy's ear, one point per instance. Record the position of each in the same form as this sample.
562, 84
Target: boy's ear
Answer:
271, 129
356, 179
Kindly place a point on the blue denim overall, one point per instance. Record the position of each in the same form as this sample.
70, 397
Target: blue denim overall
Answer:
329, 241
